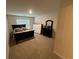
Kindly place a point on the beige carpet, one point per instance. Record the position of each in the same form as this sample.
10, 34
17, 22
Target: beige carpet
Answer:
40, 47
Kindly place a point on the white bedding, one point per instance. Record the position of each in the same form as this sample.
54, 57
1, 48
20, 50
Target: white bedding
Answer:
22, 31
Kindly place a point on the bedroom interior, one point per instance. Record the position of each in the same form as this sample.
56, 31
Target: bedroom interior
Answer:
38, 29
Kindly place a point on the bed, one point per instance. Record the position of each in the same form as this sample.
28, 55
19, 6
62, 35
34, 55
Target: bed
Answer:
20, 32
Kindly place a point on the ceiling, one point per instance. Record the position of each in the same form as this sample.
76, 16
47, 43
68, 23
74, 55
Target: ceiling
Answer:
39, 7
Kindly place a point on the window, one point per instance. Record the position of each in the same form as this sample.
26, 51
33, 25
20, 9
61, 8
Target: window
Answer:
21, 21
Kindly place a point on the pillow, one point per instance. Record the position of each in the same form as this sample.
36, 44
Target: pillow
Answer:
23, 28
17, 29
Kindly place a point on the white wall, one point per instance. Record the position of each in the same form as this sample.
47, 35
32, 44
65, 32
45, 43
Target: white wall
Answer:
12, 20
50, 16
64, 33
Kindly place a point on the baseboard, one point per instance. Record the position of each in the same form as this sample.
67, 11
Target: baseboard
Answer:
59, 55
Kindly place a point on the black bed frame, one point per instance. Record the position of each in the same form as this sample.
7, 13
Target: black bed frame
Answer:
23, 35
18, 26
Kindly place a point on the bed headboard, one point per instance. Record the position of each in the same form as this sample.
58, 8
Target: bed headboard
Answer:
18, 26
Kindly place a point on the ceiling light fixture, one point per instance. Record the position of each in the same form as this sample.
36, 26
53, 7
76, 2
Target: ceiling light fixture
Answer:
30, 11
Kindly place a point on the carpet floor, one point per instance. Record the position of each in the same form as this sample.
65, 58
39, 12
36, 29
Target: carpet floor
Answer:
39, 47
